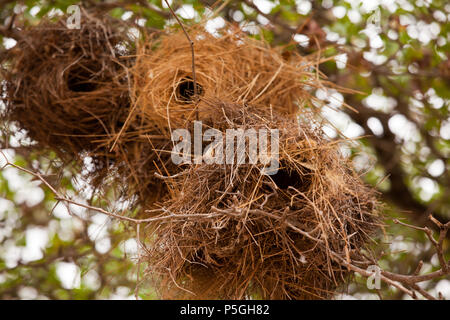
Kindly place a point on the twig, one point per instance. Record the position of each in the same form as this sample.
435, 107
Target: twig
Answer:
194, 76
437, 244
273, 19
59, 197
403, 282
9, 31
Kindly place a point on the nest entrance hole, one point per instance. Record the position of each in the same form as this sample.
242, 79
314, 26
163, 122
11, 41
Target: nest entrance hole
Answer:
185, 90
286, 178
80, 79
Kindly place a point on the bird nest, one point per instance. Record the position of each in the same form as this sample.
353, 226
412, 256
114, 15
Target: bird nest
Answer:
244, 233
232, 68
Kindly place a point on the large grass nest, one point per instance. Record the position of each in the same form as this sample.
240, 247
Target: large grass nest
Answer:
68, 88
245, 234
231, 68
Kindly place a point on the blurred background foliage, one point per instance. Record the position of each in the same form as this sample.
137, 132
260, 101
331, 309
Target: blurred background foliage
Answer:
395, 53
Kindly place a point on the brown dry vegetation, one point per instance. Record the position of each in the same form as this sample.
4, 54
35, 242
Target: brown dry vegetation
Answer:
273, 236
240, 233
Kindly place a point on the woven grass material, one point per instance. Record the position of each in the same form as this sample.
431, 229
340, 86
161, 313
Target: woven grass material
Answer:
232, 68
263, 236
70, 90
68, 87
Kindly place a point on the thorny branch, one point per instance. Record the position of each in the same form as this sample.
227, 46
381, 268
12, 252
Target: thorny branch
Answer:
409, 283
192, 47
405, 283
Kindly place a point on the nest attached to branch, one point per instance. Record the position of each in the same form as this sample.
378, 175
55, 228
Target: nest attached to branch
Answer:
232, 68
242, 233
69, 88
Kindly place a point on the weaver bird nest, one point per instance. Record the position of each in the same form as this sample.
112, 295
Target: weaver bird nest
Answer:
234, 231
273, 236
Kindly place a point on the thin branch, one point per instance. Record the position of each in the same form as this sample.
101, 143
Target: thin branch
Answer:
59, 197
194, 76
